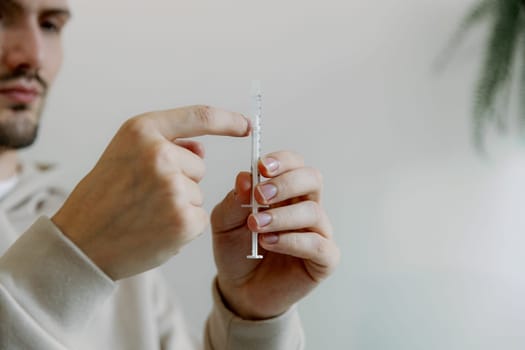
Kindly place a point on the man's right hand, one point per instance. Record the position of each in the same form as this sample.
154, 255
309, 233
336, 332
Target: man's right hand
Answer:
141, 202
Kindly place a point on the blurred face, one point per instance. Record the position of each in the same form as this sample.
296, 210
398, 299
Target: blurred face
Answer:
30, 58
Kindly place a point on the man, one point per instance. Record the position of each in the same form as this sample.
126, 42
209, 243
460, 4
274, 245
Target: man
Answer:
76, 280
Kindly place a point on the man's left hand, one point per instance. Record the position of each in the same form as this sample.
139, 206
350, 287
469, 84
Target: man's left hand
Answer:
295, 238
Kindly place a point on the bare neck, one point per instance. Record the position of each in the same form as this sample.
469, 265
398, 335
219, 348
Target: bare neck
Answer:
8, 164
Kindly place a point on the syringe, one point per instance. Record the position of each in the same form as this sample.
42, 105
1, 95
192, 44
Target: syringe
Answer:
256, 154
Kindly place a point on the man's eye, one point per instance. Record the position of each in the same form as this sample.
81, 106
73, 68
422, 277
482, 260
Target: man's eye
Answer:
50, 26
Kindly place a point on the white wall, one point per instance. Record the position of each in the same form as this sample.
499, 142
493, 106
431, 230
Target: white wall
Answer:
431, 233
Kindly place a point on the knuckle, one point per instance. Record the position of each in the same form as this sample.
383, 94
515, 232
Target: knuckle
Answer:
197, 197
191, 223
171, 194
159, 154
331, 256
314, 210
175, 185
294, 242
316, 174
204, 115
319, 246
182, 219
201, 196
200, 170
136, 126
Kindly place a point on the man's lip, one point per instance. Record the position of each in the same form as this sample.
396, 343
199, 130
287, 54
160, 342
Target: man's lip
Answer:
20, 94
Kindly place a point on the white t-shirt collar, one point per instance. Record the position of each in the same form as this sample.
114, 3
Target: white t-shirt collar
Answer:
7, 185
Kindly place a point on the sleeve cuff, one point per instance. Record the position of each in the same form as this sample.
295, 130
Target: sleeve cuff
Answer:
225, 330
53, 280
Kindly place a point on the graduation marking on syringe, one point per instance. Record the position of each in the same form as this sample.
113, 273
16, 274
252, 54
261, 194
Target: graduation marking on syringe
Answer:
256, 154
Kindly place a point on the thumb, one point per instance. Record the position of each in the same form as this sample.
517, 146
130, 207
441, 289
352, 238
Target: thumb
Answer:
230, 214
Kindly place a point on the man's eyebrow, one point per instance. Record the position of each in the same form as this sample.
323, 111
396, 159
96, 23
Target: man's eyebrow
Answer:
17, 7
57, 11
11, 6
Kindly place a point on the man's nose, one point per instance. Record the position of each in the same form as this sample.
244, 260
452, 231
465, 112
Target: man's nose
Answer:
22, 47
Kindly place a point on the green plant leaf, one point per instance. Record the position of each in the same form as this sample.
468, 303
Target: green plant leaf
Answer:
479, 13
492, 91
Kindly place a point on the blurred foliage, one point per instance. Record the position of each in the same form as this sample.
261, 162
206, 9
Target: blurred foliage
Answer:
505, 44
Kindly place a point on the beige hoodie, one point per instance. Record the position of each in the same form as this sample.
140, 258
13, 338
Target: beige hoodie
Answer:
53, 297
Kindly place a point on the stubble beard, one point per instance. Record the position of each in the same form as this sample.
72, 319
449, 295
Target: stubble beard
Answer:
19, 128
19, 122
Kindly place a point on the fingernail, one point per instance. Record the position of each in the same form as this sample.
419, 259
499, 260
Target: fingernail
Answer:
271, 164
267, 191
263, 219
270, 238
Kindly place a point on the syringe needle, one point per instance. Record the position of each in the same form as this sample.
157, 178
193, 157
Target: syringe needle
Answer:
256, 153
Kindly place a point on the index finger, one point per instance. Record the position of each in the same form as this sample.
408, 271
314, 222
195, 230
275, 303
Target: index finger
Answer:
198, 120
